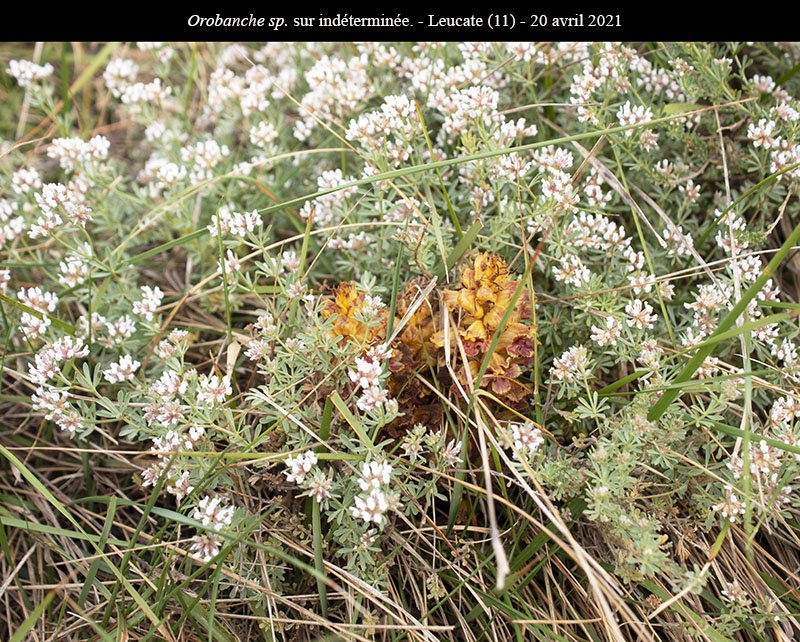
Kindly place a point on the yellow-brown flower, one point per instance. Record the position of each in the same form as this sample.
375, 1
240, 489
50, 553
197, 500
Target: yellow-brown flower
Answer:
479, 304
346, 305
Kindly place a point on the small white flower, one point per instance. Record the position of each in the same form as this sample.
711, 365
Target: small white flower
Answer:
640, 314
206, 546
26, 72
25, 180
372, 507
213, 512
263, 134
633, 115
608, 335
372, 398
763, 84
572, 271
212, 390
366, 373
320, 487
122, 370
180, 486
732, 506
761, 134
571, 365
374, 474
527, 438
231, 265
148, 304
299, 466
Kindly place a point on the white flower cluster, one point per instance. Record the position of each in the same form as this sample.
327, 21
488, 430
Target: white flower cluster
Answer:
557, 184
572, 365
784, 152
251, 92
640, 315
527, 439
47, 360
74, 269
388, 131
572, 271
597, 232
660, 81
785, 411
324, 209
167, 347
630, 115
609, 334
203, 157
302, 470
122, 370
263, 134
337, 87
522, 51
299, 466
25, 180
73, 152
166, 408
213, 389
765, 467
376, 499
146, 306
708, 301
368, 374
514, 166
26, 73
227, 222
119, 74
33, 326
151, 93
11, 226
679, 242
763, 84
177, 482
47, 366
217, 515
612, 67
56, 199
160, 174
732, 506
431, 77
472, 105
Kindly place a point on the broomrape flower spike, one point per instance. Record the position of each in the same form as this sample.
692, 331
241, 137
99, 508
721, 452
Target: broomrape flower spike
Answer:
481, 303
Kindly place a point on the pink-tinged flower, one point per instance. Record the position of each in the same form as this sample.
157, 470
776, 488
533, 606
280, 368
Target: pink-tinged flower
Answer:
213, 512
212, 390
206, 546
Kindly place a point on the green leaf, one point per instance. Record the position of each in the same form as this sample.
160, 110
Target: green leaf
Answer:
352, 420
21, 633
